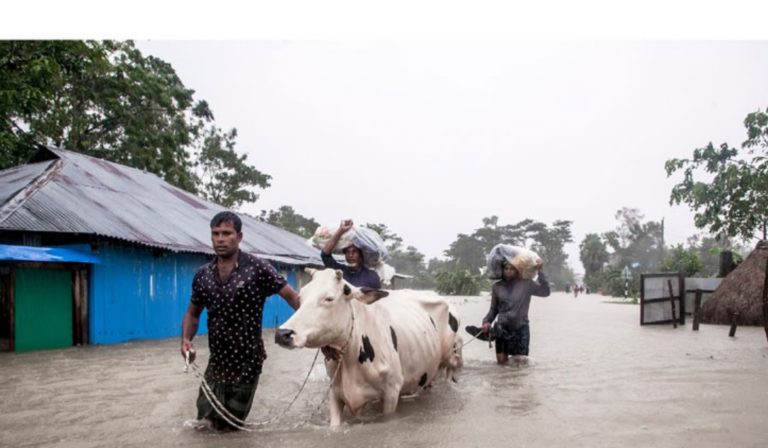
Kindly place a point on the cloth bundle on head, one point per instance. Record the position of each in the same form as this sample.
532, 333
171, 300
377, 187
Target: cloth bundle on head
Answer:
369, 242
385, 272
525, 261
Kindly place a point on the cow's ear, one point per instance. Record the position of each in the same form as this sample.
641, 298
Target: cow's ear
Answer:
369, 295
339, 274
310, 271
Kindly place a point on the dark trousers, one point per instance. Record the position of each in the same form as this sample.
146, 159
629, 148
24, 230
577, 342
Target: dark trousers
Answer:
236, 398
513, 342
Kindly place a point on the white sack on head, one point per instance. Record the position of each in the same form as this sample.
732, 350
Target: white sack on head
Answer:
369, 242
524, 260
323, 234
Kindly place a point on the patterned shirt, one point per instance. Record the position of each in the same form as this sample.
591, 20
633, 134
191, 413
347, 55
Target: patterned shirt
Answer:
234, 316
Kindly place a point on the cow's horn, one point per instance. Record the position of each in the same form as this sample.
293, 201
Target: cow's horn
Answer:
339, 274
310, 271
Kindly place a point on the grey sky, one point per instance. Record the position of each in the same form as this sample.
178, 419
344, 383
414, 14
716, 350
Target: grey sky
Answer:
429, 137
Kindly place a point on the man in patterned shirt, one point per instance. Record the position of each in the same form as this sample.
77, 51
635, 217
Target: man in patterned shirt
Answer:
233, 288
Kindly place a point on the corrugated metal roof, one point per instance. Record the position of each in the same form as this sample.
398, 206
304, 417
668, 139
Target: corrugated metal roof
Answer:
16, 178
82, 194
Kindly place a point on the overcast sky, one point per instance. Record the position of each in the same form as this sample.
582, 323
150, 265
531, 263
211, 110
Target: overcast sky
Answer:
429, 137
360, 110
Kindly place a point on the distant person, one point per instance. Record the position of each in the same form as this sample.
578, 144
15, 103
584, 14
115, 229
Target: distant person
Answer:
356, 273
233, 287
510, 300
575, 291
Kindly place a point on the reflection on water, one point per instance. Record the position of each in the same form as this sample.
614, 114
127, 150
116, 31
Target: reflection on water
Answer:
598, 378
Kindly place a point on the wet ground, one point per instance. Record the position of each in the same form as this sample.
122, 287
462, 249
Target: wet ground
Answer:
598, 379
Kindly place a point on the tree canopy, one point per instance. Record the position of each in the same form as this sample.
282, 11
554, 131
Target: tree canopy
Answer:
288, 219
684, 260
107, 100
635, 243
735, 201
593, 253
468, 252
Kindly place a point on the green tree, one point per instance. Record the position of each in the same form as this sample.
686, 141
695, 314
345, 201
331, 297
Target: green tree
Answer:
467, 253
708, 249
635, 242
107, 100
392, 241
492, 233
436, 265
681, 259
286, 218
225, 176
549, 243
409, 261
594, 256
735, 201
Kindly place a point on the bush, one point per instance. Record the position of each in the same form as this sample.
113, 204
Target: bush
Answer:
612, 283
459, 283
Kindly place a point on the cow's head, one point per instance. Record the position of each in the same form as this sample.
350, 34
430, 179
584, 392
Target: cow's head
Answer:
325, 315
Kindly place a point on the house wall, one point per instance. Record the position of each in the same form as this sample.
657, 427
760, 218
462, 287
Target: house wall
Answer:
138, 295
141, 293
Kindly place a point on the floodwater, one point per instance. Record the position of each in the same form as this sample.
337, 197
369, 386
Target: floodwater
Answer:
598, 379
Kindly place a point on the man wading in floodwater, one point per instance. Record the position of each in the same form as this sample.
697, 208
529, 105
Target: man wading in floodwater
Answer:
233, 287
510, 300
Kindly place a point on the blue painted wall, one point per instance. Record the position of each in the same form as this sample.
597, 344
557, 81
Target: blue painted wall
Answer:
137, 295
276, 310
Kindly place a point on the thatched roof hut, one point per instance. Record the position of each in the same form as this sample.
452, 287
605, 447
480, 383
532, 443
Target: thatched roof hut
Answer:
741, 291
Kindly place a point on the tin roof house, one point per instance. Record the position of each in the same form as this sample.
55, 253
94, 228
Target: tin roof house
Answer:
96, 252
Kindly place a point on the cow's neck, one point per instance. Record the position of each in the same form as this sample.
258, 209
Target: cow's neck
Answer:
346, 345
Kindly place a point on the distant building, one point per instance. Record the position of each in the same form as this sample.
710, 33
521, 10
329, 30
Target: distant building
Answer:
93, 252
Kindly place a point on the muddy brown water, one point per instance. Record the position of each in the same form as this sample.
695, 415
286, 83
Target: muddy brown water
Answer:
597, 379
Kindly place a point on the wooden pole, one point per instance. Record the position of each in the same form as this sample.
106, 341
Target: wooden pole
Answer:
765, 300
12, 304
734, 319
672, 303
76, 311
83, 273
697, 310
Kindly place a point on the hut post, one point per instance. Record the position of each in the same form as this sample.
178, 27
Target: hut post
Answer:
672, 303
697, 310
734, 317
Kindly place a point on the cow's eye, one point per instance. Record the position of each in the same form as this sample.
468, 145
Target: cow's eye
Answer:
328, 299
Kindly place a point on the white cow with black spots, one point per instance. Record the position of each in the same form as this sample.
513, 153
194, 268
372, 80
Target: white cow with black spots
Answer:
392, 343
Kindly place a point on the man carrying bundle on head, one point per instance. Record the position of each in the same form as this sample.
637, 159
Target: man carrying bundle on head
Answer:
521, 278
356, 273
